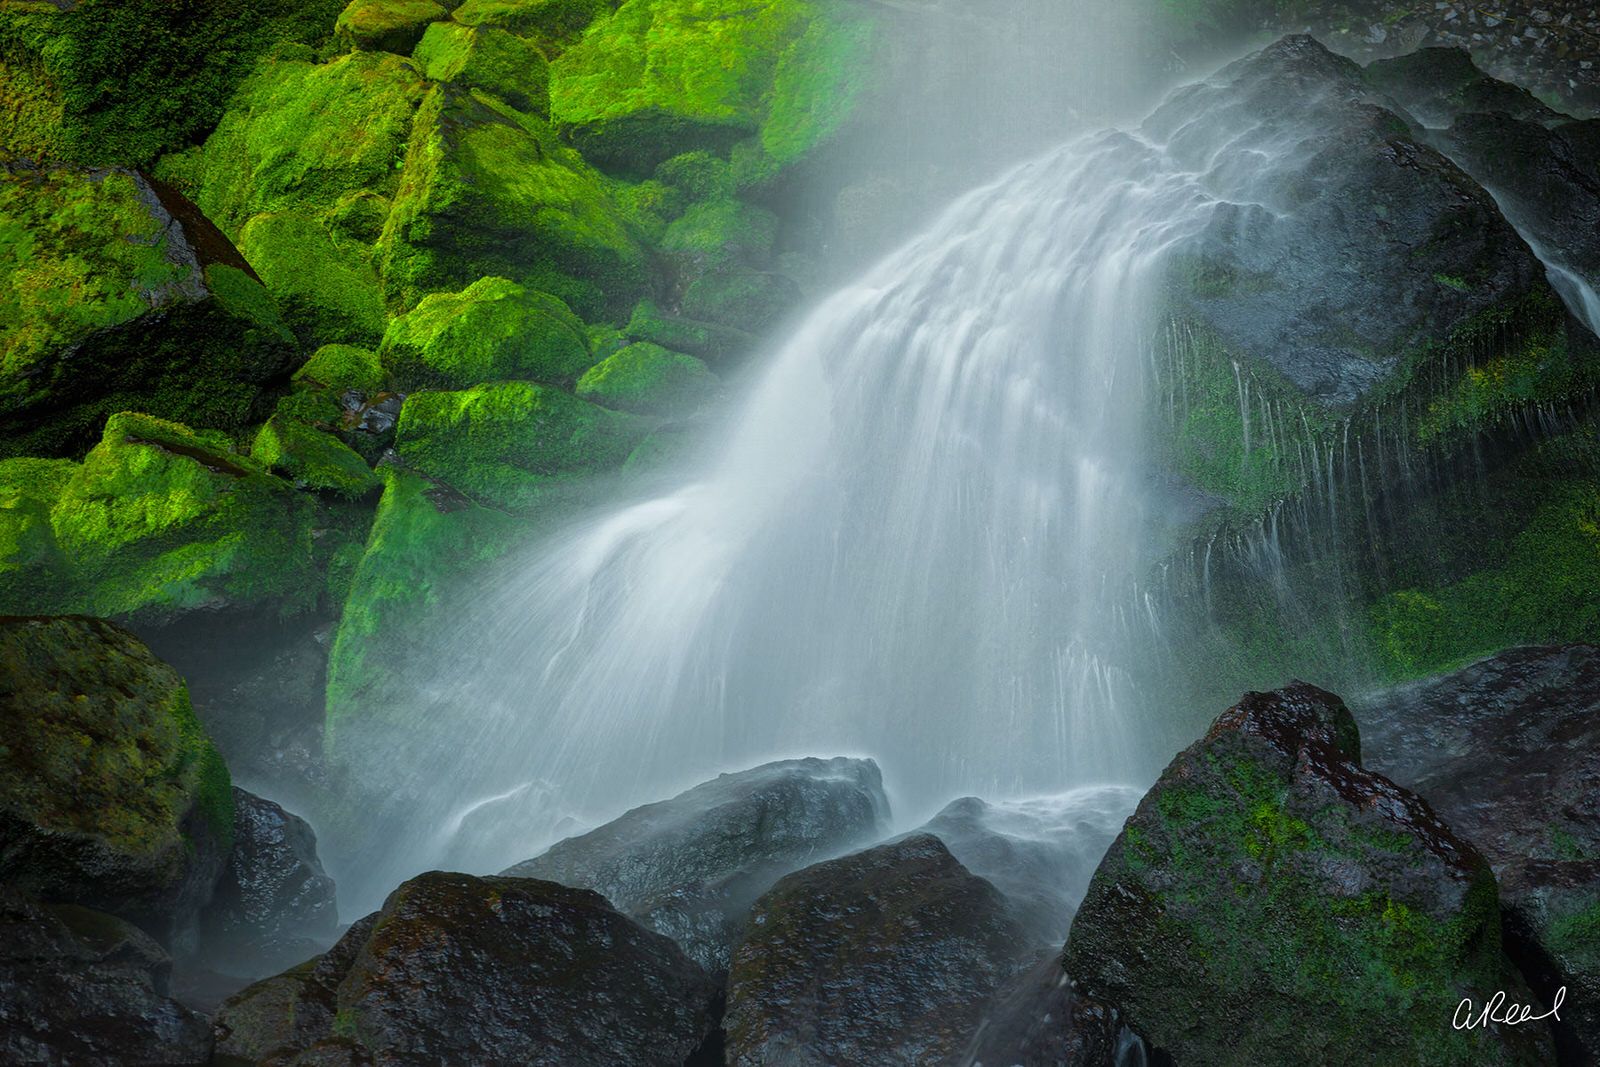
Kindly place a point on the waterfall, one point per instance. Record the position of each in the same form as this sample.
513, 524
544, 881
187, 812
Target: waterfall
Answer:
917, 545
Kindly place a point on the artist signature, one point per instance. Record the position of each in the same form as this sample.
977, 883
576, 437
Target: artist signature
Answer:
1496, 1010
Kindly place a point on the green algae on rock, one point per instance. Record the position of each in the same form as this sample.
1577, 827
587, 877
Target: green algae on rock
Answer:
326, 288
493, 330
385, 25
111, 794
649, 380
312, 459
158, 311
515, 445
1270, 897
494, 60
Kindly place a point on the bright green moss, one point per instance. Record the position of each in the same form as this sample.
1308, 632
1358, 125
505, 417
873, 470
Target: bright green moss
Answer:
200, 767
649, 380
328, 292
385, 25
750, 300
498, 62
712, 342
304, 137
551, 24
312, 459
492, 330
720, 232
515, 445
425, 546
490, 190
701, 175
342, 367
820, 83
31, 569
121, 81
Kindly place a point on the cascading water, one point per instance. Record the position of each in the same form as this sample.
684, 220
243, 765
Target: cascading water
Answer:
917, 545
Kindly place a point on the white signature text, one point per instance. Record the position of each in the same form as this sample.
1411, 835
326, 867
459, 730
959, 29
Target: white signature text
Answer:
1497, 1010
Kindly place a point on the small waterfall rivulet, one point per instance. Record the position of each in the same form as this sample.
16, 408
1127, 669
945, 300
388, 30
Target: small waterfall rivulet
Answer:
917, 544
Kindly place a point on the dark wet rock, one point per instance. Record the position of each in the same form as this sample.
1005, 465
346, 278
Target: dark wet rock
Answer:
886, 956
81, 987
690, 867
111, 796
1041, 1021
1040, 853
457, 969
1508, 751
136, 302
274, 905
1270, 899
1437, 84
1343, 250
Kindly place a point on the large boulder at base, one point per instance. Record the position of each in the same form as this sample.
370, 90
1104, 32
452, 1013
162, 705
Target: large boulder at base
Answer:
1508, 751
457, 969
117, 294
160, 520
690, 867
487, 189
274, 905
78, 987
1270, 899
1349, 277
111, 796
491, 331
515, 445
1040, 852
887, 956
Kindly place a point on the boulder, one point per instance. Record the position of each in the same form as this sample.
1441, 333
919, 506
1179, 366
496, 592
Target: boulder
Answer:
342, 367
720, 346
487, 189
1040, 853
1041, 1021
1508, 751
1436, 85
78, 986
551, 25
111, 795
1270, 899
491, 331
274, 905
323, 282
385, 25
647, 379
887, 956
691, 867
457, 969
487, 58
515, 445
313, 459
120, 296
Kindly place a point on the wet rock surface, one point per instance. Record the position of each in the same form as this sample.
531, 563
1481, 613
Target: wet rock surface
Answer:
1041, 1021
457, 969
691, 867
1270, 897
274, 904
887, 956
110, 794
1325, 258
1508, 751
78, 986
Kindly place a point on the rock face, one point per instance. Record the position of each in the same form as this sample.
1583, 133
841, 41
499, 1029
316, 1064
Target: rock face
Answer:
1040, 1021
111, 796
690, 867
886, 956
274, 905
79, 986
456, 969
1508, 751
125, 298
1270, 898
1040, 853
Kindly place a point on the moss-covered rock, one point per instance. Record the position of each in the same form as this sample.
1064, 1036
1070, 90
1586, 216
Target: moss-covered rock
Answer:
326, 288
307, 137
341, 367
551, 24
426, 546
490, 190
717, 344
156, 309
649, 380
111, 795
159, 520
312, 459
492, 330
661, 77
515, 445
720, 233
1270, 897
494, 60
753, 301
385, 25
122, 81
